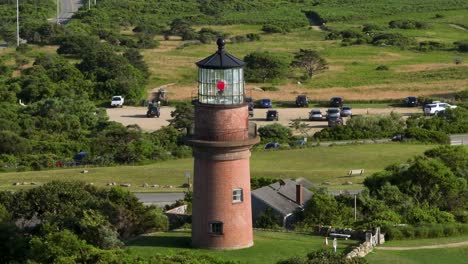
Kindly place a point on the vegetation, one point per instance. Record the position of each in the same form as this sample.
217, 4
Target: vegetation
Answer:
309, 61
72, 222
439, 255
425, 191
330, 164
265, 245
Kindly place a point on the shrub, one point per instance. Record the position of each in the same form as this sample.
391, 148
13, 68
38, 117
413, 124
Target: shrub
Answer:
382, 68
430, 45
275, 132
270, 88
272, 28
371, 27
392, 39
427, 136
407, 24
462, 46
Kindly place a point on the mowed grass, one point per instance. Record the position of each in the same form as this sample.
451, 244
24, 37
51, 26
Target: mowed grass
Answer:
269, 247
425, 242
420, 256
317, 164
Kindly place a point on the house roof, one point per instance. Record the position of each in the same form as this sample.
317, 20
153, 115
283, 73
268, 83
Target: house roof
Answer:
282, 198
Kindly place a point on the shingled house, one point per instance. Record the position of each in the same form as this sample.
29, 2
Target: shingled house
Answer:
283, 197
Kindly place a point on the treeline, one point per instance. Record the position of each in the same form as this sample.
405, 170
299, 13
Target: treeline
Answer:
62, 222
48, 113
428, 189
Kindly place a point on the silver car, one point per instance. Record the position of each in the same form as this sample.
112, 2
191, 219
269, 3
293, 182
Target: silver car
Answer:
346, 111
315, 115
333, 113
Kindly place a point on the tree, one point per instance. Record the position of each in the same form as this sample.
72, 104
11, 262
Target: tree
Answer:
322, 209
182, 116
263, 66
309, 61
275, 132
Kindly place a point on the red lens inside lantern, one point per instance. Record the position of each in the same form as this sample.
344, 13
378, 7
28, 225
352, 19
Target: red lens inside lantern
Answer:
221, 85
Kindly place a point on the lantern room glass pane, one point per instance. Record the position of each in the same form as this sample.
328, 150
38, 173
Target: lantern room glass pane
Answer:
232, 91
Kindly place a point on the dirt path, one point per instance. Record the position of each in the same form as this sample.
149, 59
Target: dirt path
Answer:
129, 115
449, 245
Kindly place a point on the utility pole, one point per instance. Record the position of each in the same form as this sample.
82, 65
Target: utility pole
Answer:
355, 211
17, 24
94, 2
89, 4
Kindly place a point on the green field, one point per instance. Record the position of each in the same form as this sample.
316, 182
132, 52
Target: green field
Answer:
269, 247
317, 164
420, 256
425, 242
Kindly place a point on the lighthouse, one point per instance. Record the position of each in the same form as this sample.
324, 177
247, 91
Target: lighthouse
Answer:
221, 141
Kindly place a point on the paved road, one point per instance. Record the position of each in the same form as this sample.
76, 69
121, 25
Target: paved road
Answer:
68, 8
460, 139
159, 199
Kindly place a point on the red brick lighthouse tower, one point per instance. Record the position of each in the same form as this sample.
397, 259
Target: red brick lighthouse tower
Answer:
221, 212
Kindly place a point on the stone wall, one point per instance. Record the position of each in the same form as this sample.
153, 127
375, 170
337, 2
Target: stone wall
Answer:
373, 239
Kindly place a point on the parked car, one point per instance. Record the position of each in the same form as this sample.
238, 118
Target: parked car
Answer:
302, 101
272, 115
117, 101
335, 121
336, 101
333, 113
266, 103
346, 111
315, 115
411, 101
153, 109
272, 145
435, 108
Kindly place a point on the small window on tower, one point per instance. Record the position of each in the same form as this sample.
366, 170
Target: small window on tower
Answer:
216, 228
237, 196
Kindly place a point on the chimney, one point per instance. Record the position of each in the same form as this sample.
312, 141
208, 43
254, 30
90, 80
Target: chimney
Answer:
299, 194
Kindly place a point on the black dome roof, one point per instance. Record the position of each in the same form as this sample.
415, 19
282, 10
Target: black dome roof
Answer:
220, 59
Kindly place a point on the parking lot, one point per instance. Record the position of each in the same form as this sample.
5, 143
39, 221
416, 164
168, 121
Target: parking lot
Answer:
129, 115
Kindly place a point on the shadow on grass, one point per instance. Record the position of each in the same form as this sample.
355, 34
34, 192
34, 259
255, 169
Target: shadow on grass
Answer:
181, 241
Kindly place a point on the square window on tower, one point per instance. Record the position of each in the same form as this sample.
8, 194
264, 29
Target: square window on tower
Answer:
237, 196
216, 228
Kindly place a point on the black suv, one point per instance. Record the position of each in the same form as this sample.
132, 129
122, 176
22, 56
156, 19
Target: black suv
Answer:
336, 101
302, 101
272, 115
411, 101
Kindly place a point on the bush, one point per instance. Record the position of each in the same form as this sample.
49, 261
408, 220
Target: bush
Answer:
275, 132
392, 39
272, 28
407, 24
462, 46
382, 68
270, 88
430, 45
427, 136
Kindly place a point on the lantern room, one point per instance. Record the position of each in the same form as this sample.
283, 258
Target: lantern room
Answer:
221, 78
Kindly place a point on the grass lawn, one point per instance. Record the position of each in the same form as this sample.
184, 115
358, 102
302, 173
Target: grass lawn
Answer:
425, 242
422, 256
317, 164
269, 247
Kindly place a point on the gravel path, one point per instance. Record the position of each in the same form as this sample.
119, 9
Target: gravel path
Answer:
450, 245
129, 115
